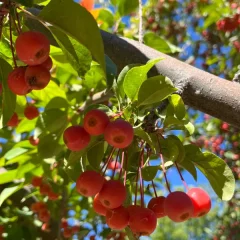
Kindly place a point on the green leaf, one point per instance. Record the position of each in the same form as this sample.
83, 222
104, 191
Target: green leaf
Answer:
8, 176
48, 146
111, 70
7, 192
119, 85
14, 153
149, 172
53, 120
71, 14
8, 98
26, 125
178, 105
143, 135
95, 155
78, 56
135, 77
126, 7
154, 90
162, 45
52, 90
218, 174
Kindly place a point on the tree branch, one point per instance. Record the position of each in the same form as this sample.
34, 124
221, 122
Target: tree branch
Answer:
199, 89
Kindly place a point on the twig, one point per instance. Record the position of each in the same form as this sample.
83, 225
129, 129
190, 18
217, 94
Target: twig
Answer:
140, 28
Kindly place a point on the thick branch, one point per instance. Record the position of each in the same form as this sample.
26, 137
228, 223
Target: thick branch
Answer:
200, 90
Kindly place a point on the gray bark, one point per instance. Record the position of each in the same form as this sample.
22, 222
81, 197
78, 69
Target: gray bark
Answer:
199, 89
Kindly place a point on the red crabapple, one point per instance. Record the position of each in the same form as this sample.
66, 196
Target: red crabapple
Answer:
32, 47
13, 121
114, 165
95, 122
64, 223
45, 227
89, 183
75, 229
156, 204
142, 221
31, 112
119, 133
201, 201
112, 194
44, 215
98, 207
53, 196
44, 189
36, 181
33, 141
37, 77
67, 232
38, 206
117, 218
76, 138
17, 82
178, 206
47, 64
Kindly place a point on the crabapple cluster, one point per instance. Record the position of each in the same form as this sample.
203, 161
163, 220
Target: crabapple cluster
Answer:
229, 24
118, 133
43, 214
32, 48
67, 230
44, 188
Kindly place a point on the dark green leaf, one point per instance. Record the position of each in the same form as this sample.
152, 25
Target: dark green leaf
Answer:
154, 90
95, 155
111, 71
149, 172
143, 135
8, 98
78, 23
135, 77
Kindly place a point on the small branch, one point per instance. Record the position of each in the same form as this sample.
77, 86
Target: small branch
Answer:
140, 28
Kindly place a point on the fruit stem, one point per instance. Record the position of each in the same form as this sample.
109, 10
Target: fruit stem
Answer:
136, 190
122, 161
154, 189
126, 165
141, 179
107, 161
115, 164
11, 41
181, 176
163, 165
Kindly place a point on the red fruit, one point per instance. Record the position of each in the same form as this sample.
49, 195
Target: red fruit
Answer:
75, 229
119, 134
17, 82
114, 165
44, 189
76, 138
47, 64
117, 218
53, 196
31, 112
95, 122
89, 183
13, 121
225, 126
157, 206
112, 194
201, 201
98, 207
142, 221
38, 206
45, 227
64, 223
178, 206
36, 181
32, 48
34, 141
67, 232
44, 215
37, 77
